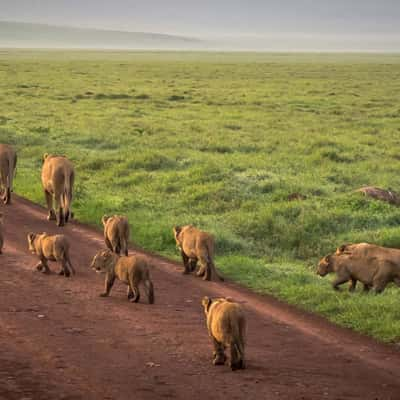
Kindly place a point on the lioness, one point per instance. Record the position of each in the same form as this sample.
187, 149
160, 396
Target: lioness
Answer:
58, 180
8, 163
51, 248
226, 325
1, 233
131, 270
116, 233
196, 246
372, 265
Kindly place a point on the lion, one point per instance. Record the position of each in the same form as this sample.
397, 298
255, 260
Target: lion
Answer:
374, 266
8, 164
196, 246
58, 177
226, 325
116, 233
51, 248
131, 270
1, 233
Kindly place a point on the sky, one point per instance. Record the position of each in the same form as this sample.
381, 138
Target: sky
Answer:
377, 21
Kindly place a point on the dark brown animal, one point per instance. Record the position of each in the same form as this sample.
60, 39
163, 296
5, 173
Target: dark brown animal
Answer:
131, 270
374, 266
196, 246
51, 248
116, 233
226, 324
388, 196
8, 164
58, 177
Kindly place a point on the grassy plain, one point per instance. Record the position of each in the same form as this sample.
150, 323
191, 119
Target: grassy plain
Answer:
221, 141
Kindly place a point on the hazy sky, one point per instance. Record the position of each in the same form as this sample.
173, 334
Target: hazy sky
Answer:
216, 17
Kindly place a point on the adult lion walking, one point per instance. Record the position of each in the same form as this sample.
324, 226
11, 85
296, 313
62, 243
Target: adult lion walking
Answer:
58, 177
8, 163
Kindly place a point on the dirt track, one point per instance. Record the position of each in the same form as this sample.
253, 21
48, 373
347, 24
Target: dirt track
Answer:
60, 340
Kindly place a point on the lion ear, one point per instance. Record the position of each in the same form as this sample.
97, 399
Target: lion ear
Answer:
105, 219
105, 253
206, 302
31, 237
177, 230
341, 249
45, 155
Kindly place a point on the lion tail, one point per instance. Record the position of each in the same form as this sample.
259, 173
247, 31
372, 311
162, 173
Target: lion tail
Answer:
12, 172
71, 267
237, 345
212, 270
67, 195
123, 234
149, 288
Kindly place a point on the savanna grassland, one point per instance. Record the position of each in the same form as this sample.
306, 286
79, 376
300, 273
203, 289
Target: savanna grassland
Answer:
221, 141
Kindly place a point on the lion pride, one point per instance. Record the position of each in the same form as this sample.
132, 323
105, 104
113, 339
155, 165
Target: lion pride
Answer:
58, 177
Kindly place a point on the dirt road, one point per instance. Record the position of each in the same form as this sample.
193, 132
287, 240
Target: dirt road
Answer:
60, 340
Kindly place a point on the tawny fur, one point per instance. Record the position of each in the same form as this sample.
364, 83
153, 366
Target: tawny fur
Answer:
196, 246
116, 233
1, 233
58, 180
132, 270
8, 164
51, 248
374, 266
226, 324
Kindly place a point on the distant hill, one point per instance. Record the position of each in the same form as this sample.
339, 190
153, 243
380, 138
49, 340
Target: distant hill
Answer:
20, 34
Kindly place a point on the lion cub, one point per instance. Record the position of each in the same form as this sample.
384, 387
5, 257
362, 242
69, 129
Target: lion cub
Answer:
8, 163
131, 270
51, 248
116, 233
196, 246
226, 325
58, 178
1, 233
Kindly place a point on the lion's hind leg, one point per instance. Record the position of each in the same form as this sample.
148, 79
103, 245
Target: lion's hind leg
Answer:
49, 201
134, 295
192, 264
237, 359
219, 357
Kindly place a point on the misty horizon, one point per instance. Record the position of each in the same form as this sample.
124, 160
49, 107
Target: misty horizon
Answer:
290, 25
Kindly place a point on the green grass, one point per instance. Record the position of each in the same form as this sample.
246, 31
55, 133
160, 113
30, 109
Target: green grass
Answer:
221, 141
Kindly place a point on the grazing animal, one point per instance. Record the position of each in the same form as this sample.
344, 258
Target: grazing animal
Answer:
58, 177
51, 248
1, 233
131, 270
226, 325
374, 266
8, 164
116, 233
196, 246
389, 196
